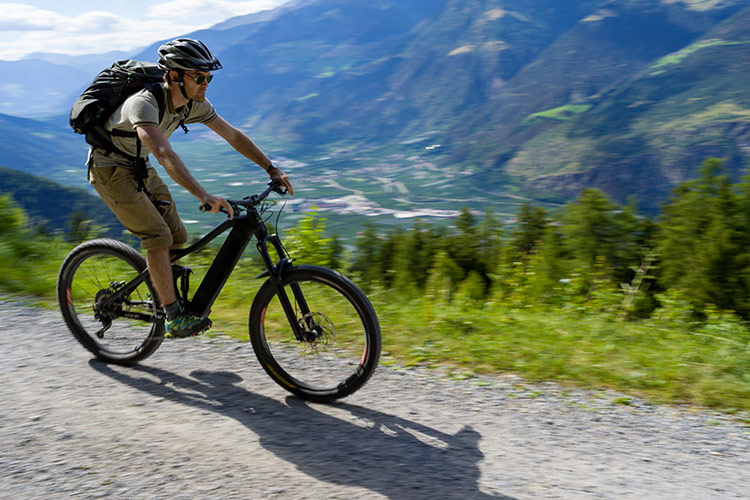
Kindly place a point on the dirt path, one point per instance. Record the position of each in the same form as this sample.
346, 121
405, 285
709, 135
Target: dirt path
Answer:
200, 419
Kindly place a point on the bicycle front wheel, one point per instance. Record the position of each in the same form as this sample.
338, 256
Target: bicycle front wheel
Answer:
122, 331
340, 343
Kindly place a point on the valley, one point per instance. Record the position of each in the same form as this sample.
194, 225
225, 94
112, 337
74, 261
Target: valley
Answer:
392, 111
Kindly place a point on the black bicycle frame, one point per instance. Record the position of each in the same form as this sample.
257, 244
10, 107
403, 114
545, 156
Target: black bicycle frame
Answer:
244, 227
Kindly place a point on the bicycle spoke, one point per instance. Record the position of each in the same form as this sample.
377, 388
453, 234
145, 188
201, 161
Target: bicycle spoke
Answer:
339, 343
96, 312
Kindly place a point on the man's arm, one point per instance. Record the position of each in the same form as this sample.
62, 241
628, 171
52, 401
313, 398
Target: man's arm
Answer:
155, 140
247, 148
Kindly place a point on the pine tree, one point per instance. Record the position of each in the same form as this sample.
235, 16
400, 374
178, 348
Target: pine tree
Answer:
590, 228
365, 264
743, 238
532, 222
701, 241
490, 234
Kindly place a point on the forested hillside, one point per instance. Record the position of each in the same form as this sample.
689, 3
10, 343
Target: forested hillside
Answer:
593, 253
54, 208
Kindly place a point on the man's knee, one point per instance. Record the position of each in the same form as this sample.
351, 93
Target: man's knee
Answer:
163, 241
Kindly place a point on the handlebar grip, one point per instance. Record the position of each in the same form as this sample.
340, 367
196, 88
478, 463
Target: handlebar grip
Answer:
207, 208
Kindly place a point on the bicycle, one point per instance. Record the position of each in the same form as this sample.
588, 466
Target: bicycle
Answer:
313, 330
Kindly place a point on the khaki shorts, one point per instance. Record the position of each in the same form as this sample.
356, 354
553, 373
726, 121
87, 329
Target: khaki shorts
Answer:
156, 227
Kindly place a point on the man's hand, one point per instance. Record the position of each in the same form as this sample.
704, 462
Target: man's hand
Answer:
216, 202
277, 174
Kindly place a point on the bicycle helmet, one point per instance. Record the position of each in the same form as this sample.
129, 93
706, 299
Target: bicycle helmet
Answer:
187, 54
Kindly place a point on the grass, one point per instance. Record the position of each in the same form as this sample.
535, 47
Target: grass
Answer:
665, 359
677, 57
657, 359
560, 113
30, 265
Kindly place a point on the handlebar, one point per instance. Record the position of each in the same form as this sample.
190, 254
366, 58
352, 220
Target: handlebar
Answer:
274, 186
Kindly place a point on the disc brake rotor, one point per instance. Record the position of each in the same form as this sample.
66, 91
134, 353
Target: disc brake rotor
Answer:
317, 329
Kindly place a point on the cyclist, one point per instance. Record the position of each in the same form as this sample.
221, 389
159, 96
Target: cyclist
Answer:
187, 64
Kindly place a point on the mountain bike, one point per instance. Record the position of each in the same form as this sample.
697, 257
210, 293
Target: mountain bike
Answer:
313, 330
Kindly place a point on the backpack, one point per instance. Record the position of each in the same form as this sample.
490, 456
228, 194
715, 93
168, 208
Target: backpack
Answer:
109, 89
106, 93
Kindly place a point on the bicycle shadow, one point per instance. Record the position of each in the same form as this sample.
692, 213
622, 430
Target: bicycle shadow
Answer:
387, 454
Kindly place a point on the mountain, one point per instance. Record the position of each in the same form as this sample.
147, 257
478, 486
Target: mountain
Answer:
498, 98
539, 95
87, 64
632, 122
47, 148
52, 206
34, 86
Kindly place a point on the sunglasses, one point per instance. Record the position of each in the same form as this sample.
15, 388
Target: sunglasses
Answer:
199, 79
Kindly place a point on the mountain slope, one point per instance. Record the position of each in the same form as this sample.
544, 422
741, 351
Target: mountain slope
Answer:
52, 206
653, 132
47, 148
34, 86
532, 97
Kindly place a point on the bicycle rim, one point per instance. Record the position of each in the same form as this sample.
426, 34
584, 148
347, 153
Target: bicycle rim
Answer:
342, 343
91, 278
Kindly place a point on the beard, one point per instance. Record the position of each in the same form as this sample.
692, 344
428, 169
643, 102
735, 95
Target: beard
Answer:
199, 96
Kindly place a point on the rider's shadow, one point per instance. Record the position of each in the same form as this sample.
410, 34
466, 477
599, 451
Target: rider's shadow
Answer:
386, 454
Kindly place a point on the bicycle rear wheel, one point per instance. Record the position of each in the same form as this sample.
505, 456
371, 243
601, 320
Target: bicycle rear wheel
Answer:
341, 344
124, 331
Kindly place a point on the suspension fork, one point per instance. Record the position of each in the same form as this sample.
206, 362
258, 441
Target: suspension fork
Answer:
276, 273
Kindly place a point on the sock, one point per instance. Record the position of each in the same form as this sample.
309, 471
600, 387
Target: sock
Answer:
173, 310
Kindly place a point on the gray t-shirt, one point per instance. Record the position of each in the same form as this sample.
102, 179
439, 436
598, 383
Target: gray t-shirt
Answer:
141, 109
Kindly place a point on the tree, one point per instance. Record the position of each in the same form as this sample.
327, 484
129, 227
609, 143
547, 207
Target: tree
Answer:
743, 258
702, 240
365, 264
532, 222
81, 228
590, 228
12, 217
308, 242
415, 253
490, 234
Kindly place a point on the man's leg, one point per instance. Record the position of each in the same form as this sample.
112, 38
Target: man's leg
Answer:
157, 230
160, 269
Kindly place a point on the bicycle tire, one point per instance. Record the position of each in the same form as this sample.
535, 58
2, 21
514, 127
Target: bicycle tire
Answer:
92, 271
332, 366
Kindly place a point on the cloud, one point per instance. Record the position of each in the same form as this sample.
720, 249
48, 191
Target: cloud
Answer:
25, 29
19, 17
176, 9
97, 22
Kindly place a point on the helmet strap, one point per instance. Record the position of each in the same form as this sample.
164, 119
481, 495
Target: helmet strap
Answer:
181, 81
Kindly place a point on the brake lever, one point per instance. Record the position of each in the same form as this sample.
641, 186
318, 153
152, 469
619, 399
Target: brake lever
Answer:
277, 187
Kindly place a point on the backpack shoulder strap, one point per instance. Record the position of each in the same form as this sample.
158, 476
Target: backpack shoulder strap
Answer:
157, 91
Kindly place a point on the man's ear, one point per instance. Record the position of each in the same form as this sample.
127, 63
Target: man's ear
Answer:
173, 75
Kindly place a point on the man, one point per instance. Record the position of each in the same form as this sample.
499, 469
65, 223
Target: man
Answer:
188, 64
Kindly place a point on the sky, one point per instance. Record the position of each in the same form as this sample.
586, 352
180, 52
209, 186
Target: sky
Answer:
92, 27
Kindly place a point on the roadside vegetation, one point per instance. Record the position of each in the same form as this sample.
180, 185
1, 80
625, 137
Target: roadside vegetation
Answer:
593, 295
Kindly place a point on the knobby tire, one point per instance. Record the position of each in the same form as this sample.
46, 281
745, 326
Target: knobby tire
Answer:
92, 271
345, 352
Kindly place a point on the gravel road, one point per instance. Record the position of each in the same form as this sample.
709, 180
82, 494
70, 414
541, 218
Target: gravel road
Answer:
200, 419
